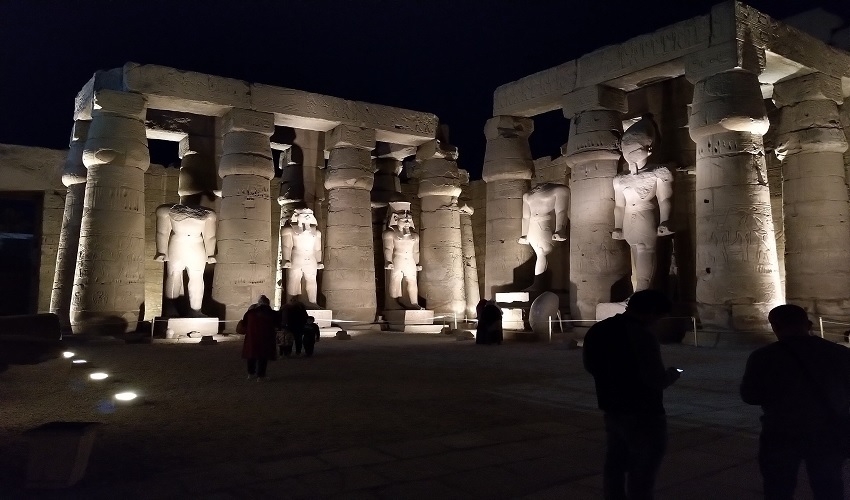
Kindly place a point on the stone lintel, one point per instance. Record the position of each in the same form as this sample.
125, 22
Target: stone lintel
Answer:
121, 103
110, 79
508, 125
592, 98
395, 151
436, 149
535, 94
345, 136
246, 120
812, 87
727, 56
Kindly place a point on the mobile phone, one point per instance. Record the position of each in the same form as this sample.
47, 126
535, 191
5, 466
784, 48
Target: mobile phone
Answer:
679, 370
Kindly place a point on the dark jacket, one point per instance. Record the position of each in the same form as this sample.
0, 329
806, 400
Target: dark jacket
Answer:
260, 323
625, 361
775, 379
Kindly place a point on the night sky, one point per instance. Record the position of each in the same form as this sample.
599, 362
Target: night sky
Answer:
440, 56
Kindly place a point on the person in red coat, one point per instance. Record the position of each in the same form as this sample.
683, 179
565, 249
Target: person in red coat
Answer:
259, 345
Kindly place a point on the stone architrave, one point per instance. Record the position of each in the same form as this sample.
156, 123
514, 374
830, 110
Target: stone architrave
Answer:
470, 265
811, 144
507, 171
348, 282
244, 262
736, 263
441, 280
74, 178
109, 281
597, 262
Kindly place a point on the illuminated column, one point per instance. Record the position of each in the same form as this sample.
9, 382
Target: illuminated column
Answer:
597, 261
348, 282
470, 265
74, 178
243, 268
441, 280
737, 269
109, 284
815, 201
507, 172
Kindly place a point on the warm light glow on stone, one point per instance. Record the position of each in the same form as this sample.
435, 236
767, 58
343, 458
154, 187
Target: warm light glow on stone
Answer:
98, 376
126, 396
67, 354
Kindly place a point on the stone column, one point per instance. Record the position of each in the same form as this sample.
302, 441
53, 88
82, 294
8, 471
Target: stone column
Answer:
737, 271
348, 282
74, 178
441, 281
599, 264
815, 201
243, 268
109, 280
508, 167
774, 183
470, 265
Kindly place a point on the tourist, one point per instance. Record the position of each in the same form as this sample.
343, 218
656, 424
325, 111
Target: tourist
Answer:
489, 329
294, 315
802, 383
259, 344
311, 335
624, 358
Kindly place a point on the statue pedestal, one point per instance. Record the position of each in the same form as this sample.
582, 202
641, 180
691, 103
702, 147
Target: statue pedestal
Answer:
605, 310
412, 321
193, 328
322, 316
513, 304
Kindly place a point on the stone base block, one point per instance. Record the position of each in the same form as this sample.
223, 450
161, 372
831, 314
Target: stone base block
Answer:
412, 321
194, 328
509, 297
605, 310
323, 317
512, 319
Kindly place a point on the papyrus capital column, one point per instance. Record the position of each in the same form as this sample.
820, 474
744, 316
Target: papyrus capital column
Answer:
348, 282
74, 178
470, 264
441, 281
811, 143
736, 263
108, 292
243, 268
507, 170
597, 261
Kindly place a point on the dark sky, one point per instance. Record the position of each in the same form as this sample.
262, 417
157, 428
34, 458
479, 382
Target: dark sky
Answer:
441, 56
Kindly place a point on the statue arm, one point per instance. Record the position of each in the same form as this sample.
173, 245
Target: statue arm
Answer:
664, 193
210, 224
317, 249
416, 251
526, 216
286, 246
619, 209
163, 231
562, 204
388, 248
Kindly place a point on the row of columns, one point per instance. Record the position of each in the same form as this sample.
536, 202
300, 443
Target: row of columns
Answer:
737, 269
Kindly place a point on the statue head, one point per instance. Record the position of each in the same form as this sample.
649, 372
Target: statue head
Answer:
303, 217
400, 216
637, 141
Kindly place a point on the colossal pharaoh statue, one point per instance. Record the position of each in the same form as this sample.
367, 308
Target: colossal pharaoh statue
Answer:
301, 254
636, 194
537, 208
185, 240
401, 256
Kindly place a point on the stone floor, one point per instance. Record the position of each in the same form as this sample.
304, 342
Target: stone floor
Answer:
378, 416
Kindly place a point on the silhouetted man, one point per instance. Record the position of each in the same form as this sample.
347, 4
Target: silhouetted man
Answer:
625, 360
802, 383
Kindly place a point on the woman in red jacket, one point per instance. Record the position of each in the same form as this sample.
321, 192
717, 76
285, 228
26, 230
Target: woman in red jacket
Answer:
259, 345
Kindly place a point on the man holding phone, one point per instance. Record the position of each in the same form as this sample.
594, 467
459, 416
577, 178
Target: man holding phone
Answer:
624, 358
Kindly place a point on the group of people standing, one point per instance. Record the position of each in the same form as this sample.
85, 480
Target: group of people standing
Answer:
270, 333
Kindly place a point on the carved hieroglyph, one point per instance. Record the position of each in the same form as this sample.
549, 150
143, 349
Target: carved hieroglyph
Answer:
109, 285
737, 275
401, 257
507, 170
811, 144
636, 194
348, 282
538, 206
301, 255
74, 178
244, 264
440, 179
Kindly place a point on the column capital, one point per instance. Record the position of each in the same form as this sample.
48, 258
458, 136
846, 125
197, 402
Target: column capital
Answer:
727, 56
436, 149
596, 97
119, 103
508, 126
465, 208
74, 171
594, 136
346, 136
727, 102
813, 87
395, 151
247, 120
507, 155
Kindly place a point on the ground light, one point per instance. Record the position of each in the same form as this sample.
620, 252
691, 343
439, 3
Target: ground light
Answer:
79, 361
67, 354
98, 376
126, 396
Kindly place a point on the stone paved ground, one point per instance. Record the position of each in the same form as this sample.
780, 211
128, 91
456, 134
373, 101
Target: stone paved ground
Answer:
378, 416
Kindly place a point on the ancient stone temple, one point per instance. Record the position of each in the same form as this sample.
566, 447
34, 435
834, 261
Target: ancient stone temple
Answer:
709, 83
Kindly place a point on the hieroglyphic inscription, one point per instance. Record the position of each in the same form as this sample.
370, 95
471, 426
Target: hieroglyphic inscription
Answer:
535, 94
